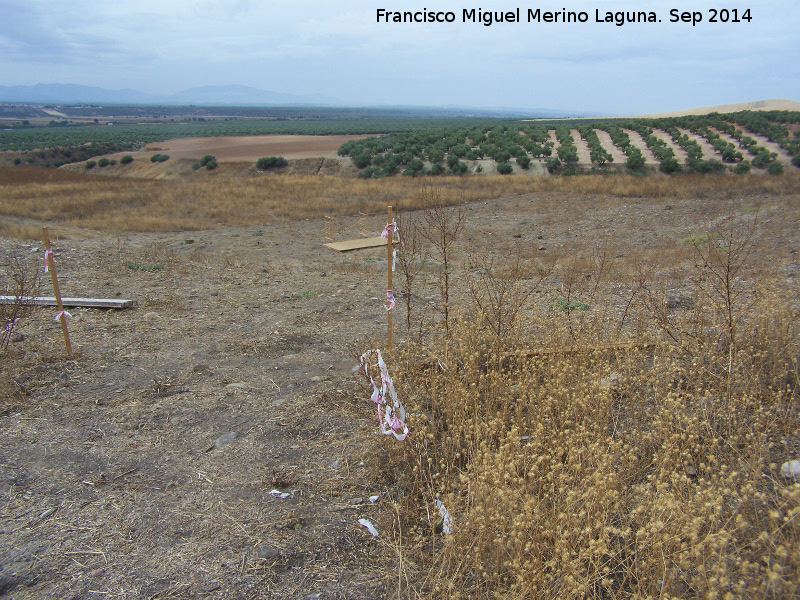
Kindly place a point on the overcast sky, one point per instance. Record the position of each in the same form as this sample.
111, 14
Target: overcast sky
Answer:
337, 49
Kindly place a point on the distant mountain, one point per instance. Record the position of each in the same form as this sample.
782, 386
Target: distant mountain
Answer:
65, 93
234, 95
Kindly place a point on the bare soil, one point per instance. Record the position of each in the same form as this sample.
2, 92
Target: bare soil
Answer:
249, 148
617, 154
111, 485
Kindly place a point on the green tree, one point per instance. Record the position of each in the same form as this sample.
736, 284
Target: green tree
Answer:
126, 159
670, 165
743, 168
504, 168
524, 161
271, 162
775, 168
553, 165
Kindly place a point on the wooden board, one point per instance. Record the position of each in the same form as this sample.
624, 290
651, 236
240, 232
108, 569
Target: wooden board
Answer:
71, 302
348, 245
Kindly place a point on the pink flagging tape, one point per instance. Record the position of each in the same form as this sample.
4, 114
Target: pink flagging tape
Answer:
391, 418
390, 300
60, 313
390, 227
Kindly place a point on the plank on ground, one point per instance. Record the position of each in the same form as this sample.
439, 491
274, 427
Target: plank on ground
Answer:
71, 302
347, 245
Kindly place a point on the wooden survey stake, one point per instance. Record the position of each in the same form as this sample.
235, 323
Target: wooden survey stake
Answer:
389, 290
51, 266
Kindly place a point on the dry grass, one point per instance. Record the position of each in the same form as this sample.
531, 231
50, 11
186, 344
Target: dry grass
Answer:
600, 468
123, 205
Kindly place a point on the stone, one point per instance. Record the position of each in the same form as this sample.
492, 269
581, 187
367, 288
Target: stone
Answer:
267, 552
225, 439
317, 379
675, 298
611, 382
237, 386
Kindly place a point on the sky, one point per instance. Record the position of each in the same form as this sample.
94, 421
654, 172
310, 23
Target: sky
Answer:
337, 49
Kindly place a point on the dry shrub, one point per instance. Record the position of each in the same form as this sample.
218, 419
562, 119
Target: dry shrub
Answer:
19, 278
631, 468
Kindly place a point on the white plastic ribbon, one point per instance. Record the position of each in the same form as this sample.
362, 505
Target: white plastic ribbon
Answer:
47, 253
370, 527
391, 418
447, 520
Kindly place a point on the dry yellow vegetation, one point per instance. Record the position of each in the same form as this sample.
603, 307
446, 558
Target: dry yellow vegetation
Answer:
117, 205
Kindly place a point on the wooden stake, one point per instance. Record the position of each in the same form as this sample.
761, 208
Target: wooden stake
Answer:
389, 287
51, 266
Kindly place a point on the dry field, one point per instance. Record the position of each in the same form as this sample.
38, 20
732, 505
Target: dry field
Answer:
648, 473
251, 148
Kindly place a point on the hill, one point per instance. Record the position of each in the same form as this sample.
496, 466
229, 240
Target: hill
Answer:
774, 104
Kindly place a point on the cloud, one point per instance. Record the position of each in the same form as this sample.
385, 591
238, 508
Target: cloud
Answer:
337, 48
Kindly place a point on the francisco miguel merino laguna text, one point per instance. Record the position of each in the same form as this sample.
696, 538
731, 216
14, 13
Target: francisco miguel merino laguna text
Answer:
618, 18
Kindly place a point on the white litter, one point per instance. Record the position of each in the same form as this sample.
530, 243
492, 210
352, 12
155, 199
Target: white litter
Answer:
791, 469
370, 527
279, 494
447, 520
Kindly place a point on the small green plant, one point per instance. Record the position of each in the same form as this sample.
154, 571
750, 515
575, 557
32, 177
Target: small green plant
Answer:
159, 158
306, 294
564, 305
148, 268
103, 162
695, 239
90, 164
126, 159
